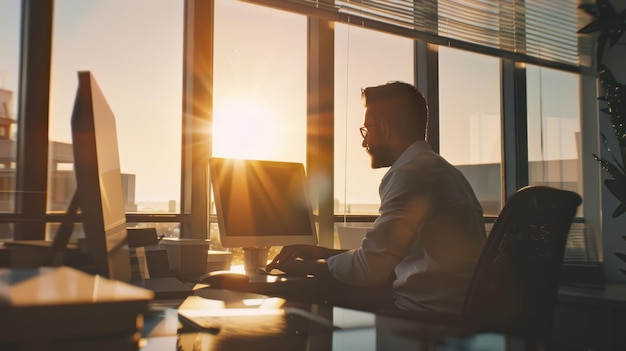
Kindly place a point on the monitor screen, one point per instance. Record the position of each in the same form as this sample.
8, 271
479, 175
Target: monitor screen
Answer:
99, 180
261, 203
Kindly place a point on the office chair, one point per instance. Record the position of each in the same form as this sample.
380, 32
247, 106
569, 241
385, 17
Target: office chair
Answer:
515, 283
516, 280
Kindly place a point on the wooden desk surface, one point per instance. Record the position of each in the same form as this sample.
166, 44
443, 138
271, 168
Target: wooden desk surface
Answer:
306, 327
246, 322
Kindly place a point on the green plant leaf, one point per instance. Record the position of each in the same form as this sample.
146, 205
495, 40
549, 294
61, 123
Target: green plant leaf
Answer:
610, 151
619, 211
590, 9
621, 256
606, 21
614, 94
617, 188
612, 169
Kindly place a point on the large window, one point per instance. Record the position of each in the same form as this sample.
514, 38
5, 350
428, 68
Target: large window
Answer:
264, 66
134, 50
9, 88
363, 58
469, 121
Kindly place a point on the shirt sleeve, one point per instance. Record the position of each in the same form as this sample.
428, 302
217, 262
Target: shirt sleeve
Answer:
404, 207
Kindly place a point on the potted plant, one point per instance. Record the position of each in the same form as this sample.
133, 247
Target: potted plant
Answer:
611, 27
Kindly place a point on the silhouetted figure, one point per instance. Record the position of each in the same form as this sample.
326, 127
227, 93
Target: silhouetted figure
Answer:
423, 248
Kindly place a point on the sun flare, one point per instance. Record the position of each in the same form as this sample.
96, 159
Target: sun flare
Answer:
244, 129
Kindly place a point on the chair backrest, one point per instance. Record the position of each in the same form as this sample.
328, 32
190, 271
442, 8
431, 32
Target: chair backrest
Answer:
515, 284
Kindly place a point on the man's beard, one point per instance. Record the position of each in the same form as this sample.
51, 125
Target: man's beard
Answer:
380, 156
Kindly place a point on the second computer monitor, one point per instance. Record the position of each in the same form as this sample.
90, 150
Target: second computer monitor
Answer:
262, 203
99, 180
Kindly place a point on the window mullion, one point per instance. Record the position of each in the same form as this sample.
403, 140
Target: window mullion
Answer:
320, 125
32, 147
197, 116
514, 128
426, 61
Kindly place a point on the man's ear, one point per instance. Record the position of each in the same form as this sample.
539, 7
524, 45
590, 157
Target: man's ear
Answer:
385, 131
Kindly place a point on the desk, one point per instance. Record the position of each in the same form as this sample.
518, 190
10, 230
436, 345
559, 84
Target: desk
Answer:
318, 328
75, 311
590, 317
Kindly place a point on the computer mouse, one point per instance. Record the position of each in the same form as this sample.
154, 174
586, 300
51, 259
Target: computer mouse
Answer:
224, 279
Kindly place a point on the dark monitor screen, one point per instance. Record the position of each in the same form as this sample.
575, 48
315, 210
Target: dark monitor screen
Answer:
261, 203
99, 180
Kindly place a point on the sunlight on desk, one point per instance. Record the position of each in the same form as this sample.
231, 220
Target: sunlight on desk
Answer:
60, 306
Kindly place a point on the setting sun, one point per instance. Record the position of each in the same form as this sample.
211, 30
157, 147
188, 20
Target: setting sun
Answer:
244, 129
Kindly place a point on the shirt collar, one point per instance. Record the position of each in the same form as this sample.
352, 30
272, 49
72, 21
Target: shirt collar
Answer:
410, 152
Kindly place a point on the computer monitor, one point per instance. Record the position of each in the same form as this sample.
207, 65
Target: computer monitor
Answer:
99, 192
261, 203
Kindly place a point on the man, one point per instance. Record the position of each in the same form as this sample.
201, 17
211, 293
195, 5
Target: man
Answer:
423, 247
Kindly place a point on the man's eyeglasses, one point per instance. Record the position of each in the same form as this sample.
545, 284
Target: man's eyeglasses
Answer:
365, 130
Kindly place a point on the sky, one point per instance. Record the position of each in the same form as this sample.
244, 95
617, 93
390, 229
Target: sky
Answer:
9, 43
135, 53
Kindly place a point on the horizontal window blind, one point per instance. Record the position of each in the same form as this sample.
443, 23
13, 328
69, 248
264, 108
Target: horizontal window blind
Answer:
532, 31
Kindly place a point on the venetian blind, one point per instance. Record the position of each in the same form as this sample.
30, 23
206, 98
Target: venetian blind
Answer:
527, 30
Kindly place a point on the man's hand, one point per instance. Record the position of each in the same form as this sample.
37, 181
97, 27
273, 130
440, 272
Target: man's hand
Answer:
303, 260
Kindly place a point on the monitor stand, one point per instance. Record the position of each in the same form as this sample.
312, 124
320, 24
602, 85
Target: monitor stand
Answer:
63, 234
254, 258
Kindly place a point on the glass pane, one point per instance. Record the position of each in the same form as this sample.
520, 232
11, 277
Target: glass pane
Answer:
554, 128
10, 14
259, 83
134, 50
469, 121
363, 58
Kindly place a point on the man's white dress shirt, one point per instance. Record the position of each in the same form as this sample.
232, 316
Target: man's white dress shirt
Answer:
428, 236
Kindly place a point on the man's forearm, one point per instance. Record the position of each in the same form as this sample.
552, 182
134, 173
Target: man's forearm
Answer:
333, 252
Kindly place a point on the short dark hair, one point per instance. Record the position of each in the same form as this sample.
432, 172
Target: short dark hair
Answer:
408, 111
